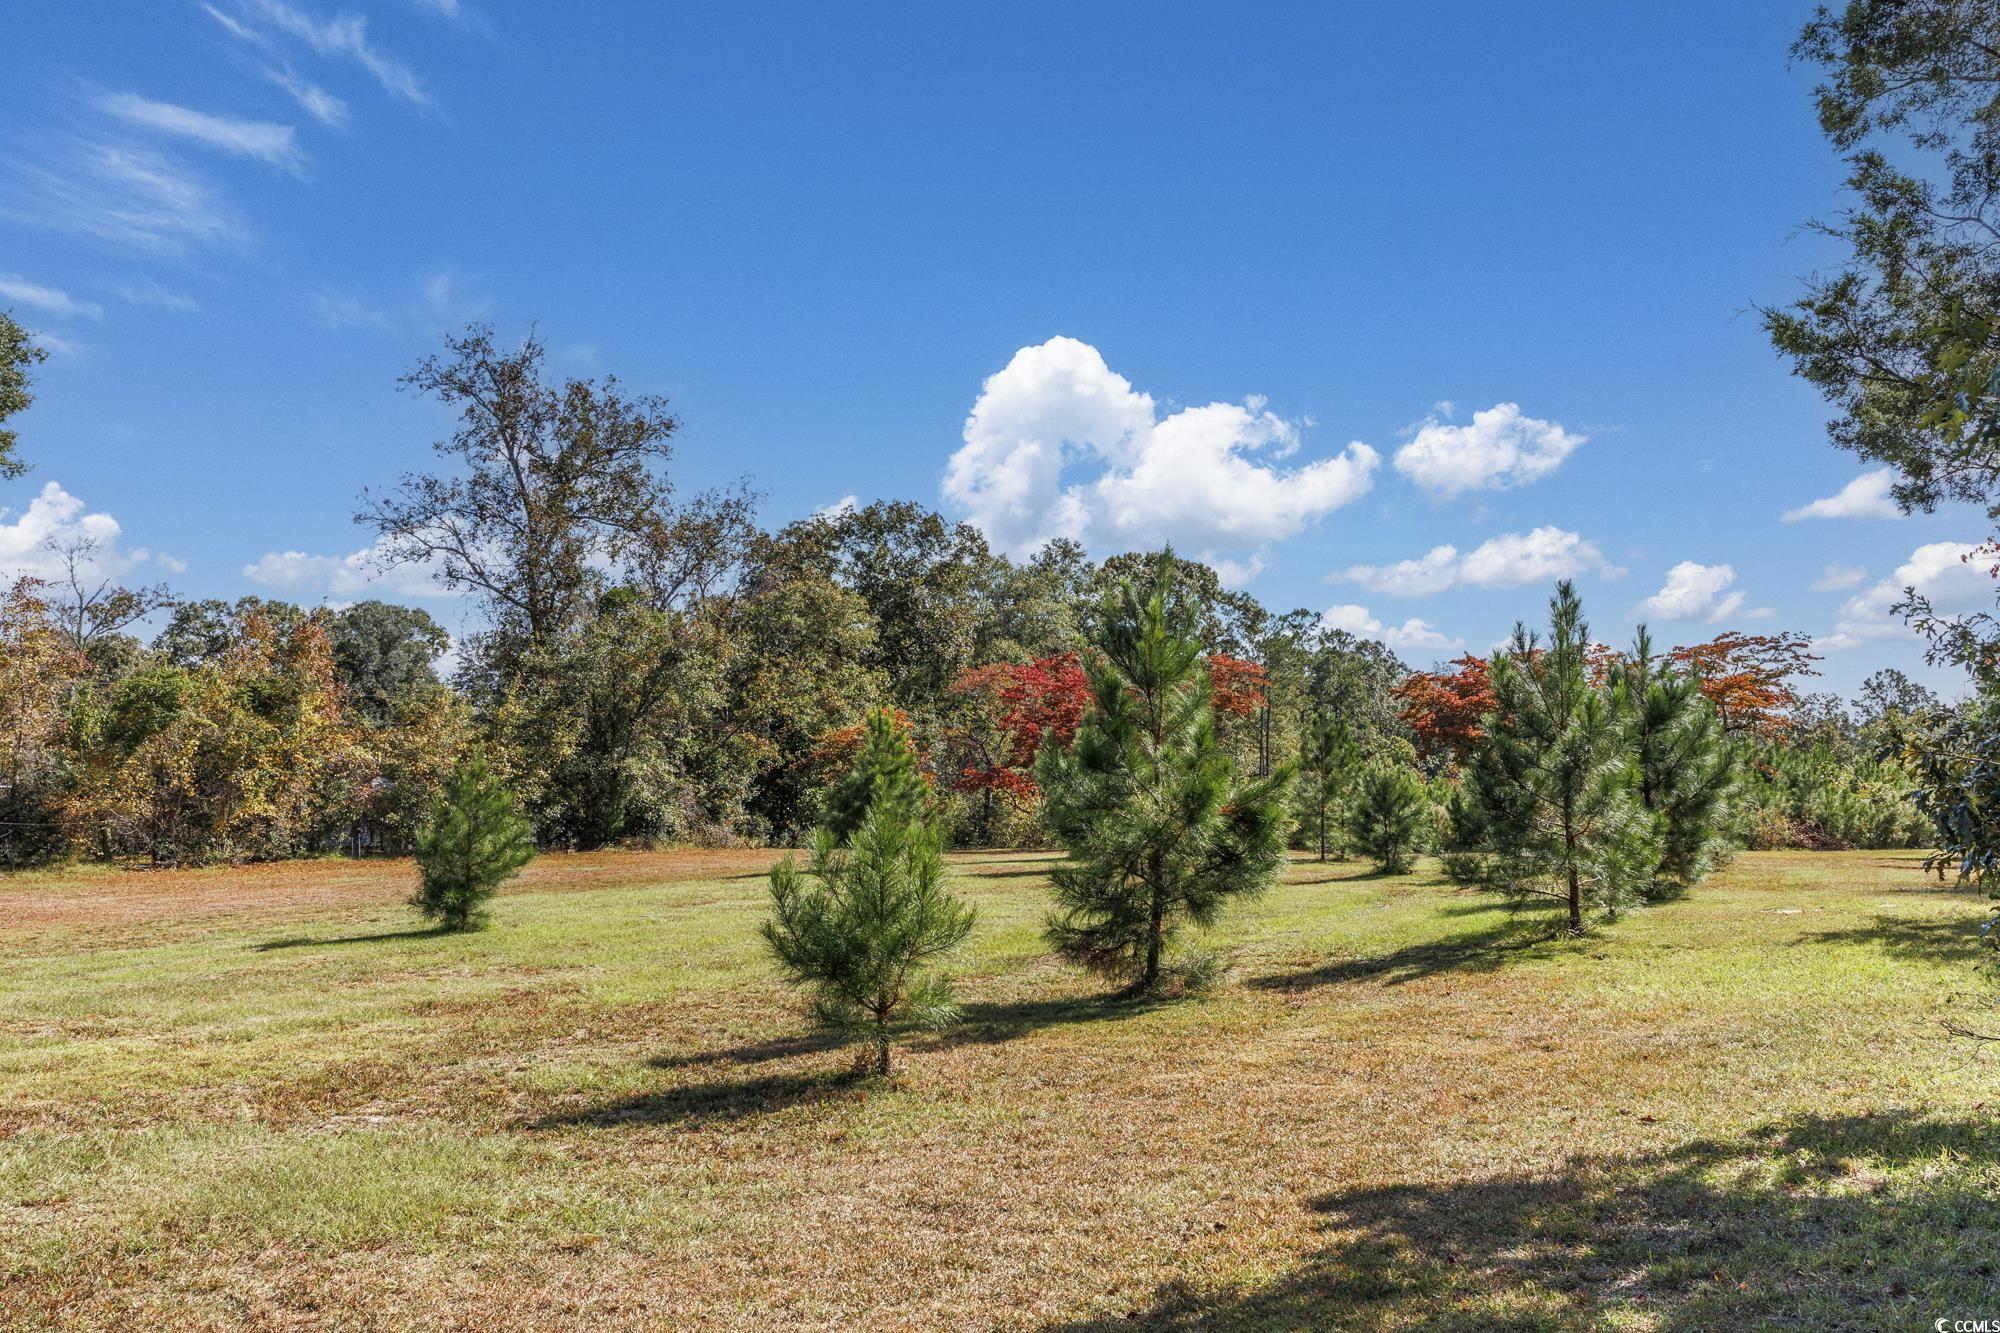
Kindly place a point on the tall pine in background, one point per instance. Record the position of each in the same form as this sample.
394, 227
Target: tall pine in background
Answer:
1686, 767
1555, 784
1329, 767
1159, 828
884, 770
859, 926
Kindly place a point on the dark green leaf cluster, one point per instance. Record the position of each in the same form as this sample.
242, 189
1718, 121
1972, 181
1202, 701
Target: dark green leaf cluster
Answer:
1685, 767
1901, 337
884, 771
1161, 831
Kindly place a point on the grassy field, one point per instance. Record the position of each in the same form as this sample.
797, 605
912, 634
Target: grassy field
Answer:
262, 1097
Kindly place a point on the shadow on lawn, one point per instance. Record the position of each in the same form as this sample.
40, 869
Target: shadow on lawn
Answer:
718, 1100
981, 1023
1930, 938
1793, 1221
1471, 951
753, 1052
379, 937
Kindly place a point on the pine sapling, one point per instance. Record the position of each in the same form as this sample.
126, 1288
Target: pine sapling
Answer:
475, 841
859, 925
1389, 816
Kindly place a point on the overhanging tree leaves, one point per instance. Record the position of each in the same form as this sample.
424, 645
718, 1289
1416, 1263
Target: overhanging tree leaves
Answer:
1900, 337
1159, 828
18, 354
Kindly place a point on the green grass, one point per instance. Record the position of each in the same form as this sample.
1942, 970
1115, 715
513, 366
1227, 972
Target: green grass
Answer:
1409, 1107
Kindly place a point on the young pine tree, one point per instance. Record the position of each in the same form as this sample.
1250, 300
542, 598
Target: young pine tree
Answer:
1555, 784
1159, 829
1388, 816
476, 841
1686, 766
884, 770
1329, 763
860, 924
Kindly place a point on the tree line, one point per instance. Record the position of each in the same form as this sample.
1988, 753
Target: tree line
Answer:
654, 667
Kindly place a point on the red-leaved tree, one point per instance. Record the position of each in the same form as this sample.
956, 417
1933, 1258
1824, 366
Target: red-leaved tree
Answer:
1748, 677
1443, 708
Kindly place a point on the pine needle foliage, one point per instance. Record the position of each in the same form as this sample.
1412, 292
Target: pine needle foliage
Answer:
1160, 830
884, 770
476, 841
1686, 768
1329, 767
1387, 819
860, 923
1556, 785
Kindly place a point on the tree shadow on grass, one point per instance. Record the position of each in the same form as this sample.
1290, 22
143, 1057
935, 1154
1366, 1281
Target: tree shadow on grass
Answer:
1801, 1221
981, 1023
378, 937
719, 1100
1931, 938
1469, 951
755, 1052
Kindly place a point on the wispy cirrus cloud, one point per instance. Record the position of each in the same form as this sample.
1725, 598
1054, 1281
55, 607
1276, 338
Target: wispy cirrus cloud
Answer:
316, 101
438, 299
343, 36
51, 300
265, 140
125, 195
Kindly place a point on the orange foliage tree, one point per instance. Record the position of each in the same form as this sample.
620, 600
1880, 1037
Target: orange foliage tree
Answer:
1748, 677
1443, 708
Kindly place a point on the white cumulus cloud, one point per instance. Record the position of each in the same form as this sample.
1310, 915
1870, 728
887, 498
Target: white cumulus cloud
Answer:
1953, 575
1201, 476
1693, 591
1510, 560
1497, 449
357, 573
1412, 636
53, 520
1867, 496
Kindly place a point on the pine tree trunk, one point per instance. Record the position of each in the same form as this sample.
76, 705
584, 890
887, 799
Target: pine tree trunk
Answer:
1153, 941
881, 1047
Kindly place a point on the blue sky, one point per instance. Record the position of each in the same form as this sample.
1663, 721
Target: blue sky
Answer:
1173, 261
